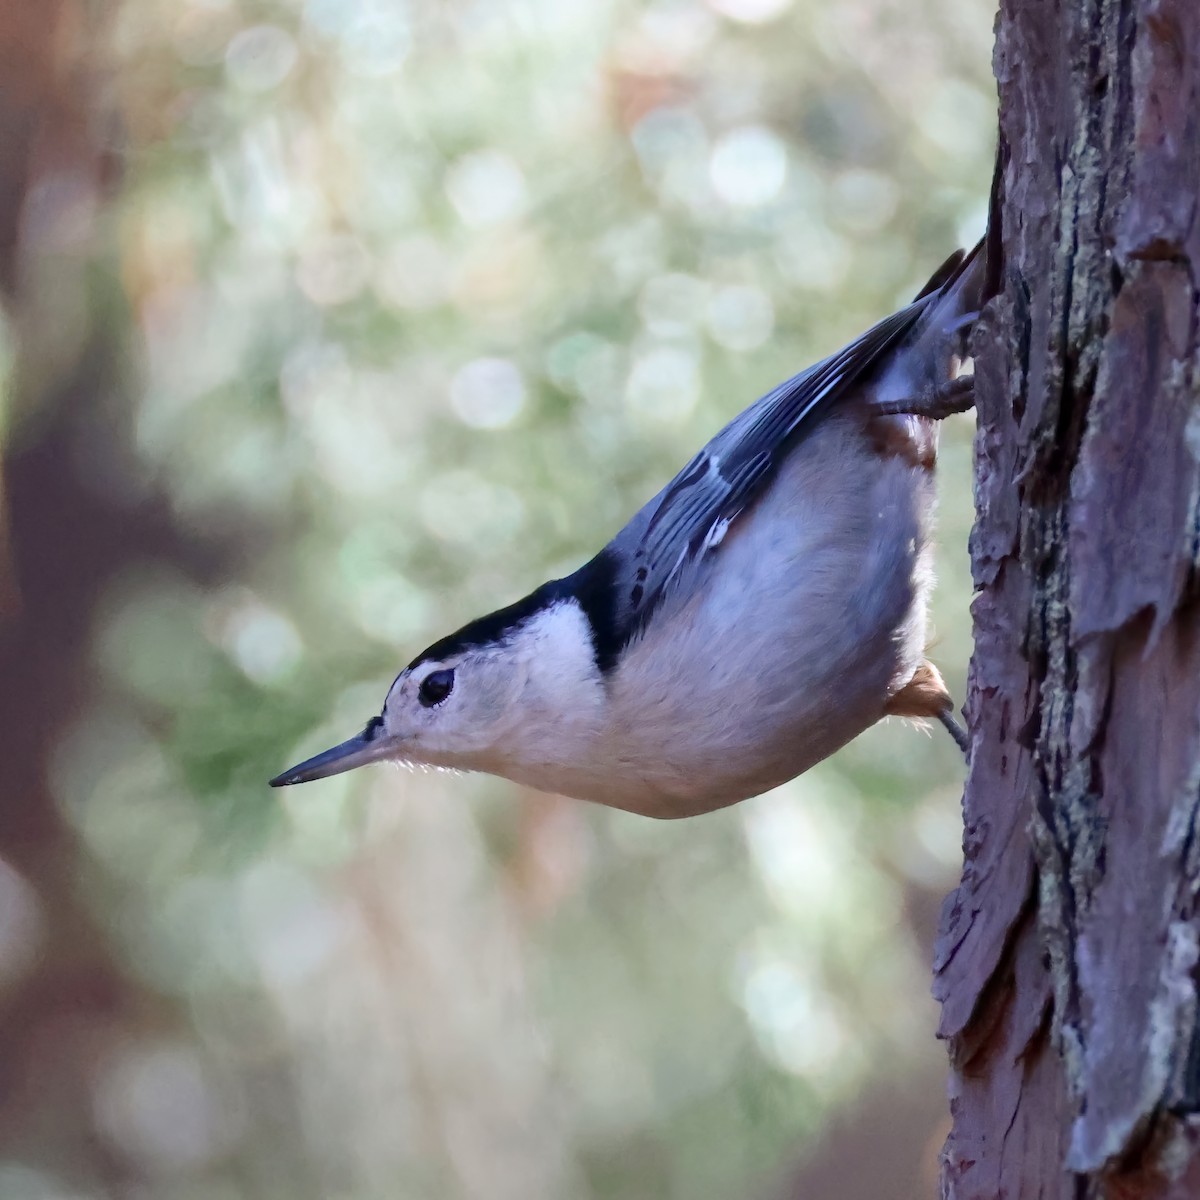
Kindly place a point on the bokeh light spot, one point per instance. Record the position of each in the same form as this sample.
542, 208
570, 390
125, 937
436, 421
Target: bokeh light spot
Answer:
793, 1018
21, 924
666, 134
260, 58
376, 38
263, 642
292, 927
740, 318
488, 393
672, 304
148, 636
25, 1183
334, 270
414, 274
748, 166
814, 257
588, 364
486, 188
864, 201
156, 1103
392, 608
461, 506
751, 12
664, 385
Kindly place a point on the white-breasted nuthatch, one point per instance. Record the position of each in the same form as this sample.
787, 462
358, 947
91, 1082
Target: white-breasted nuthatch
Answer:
763, 609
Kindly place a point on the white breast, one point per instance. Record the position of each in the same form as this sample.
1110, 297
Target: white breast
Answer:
811, 615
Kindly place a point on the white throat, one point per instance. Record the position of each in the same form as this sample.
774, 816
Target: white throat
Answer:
562, 705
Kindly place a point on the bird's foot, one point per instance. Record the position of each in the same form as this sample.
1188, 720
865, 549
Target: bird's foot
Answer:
954, 397
956, 731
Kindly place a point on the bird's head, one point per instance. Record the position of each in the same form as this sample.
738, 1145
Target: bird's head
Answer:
495, 695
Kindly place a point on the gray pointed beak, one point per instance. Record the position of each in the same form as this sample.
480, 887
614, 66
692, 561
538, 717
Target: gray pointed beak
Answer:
357, 751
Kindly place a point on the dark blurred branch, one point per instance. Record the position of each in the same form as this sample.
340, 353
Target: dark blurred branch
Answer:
73, 1002
29, 97
32, 106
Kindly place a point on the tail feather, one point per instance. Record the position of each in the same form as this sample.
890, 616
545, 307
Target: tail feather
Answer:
942, 275
973, 276
931, 354
994, 237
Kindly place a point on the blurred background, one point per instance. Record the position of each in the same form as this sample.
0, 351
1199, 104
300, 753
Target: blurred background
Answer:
328, 325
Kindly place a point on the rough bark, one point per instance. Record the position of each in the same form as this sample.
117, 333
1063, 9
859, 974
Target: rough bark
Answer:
1067, 958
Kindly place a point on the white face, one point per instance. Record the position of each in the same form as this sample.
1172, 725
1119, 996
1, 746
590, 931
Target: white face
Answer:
530, 701
449, 712
501, 707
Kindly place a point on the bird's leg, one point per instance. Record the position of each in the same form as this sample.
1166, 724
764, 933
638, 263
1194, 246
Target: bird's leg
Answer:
954, 397
925, 696
956, 731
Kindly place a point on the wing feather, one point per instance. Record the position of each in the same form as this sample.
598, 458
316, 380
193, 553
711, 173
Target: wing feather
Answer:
691, 516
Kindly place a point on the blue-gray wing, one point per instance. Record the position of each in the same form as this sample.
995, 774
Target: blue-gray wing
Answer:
691, 516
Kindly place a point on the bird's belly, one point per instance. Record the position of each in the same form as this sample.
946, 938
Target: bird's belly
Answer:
808, 620
700, 764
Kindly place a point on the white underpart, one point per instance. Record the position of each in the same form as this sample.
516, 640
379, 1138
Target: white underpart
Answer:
560, 635
806, 619
562, 701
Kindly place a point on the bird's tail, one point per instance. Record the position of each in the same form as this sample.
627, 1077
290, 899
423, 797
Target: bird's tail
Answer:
968, 279
952, 301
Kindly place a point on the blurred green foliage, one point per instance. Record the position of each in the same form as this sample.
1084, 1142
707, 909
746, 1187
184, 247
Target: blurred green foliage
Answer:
424, 299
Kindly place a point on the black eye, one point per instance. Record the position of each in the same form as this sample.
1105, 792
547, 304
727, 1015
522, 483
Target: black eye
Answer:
435, 687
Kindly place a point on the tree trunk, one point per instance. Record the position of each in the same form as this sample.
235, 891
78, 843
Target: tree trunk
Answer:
1068, 956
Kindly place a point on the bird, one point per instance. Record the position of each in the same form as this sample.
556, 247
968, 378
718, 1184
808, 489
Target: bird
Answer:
761, 611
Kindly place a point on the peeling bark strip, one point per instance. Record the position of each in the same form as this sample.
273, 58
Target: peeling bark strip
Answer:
1067, 963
